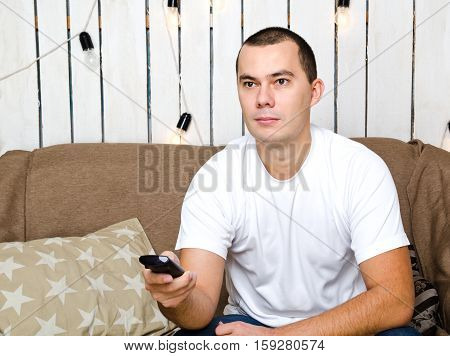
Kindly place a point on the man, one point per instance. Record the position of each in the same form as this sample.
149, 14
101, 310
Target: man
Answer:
305, 222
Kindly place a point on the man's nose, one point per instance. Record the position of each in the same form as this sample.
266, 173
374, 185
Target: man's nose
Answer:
265, 96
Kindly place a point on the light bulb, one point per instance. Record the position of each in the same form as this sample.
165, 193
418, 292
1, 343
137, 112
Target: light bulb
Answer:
220, 4
91, 59
342, 17
176, 137
172, 16
182, 126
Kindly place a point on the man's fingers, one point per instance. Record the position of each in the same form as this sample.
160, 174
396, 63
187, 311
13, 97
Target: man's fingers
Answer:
156, 278
178, 297
225, 329
172, 285
175, 292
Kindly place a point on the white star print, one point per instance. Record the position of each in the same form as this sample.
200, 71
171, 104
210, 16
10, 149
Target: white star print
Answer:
135, 284
57, 241
18, 245
126, 232
95, 237
6, 331
127, 319
98, 285
49, 327
48, 259
90, 320
60, 289
87, 256
7, 267
124, 253
15, 299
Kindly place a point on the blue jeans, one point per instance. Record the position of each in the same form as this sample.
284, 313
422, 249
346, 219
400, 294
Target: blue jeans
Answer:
209, 330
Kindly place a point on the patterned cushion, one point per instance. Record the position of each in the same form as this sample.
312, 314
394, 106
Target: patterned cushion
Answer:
79, 286
426, 308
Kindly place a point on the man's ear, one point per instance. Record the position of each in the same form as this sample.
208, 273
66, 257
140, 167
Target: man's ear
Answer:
318, 87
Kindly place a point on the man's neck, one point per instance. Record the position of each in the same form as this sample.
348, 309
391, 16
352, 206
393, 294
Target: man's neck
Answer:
284, 159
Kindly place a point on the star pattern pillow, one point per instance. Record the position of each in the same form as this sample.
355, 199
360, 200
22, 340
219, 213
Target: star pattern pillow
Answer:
91, 285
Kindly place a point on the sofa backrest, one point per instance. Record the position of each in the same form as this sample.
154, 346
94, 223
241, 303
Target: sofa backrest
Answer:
74, 189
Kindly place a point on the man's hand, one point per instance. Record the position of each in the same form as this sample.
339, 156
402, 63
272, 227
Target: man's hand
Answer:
239, 328
165, 289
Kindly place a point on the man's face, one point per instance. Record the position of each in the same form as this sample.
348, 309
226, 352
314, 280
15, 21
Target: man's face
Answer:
274, 92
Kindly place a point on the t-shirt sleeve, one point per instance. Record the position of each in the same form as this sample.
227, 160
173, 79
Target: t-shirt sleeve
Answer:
205, 214
374, 210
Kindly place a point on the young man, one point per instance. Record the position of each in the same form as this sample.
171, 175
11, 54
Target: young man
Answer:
305, 222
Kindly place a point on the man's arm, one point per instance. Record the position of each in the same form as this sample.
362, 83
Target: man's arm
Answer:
387, 303
190, 302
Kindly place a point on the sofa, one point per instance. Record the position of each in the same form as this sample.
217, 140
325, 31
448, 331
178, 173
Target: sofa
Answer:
76, 189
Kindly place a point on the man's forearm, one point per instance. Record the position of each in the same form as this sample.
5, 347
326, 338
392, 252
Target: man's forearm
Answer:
195, 312
365, 314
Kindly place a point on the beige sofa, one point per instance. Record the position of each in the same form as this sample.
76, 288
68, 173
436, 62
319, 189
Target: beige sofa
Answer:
74, 189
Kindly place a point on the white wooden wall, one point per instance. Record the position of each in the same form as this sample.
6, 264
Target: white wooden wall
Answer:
383, 77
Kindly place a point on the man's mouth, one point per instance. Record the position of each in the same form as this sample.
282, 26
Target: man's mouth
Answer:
266, 120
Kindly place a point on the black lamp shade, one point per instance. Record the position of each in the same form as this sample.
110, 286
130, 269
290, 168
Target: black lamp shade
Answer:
86, 41
184, 121
343, 3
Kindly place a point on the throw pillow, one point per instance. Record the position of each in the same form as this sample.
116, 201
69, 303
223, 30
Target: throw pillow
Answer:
426, 307
91, 285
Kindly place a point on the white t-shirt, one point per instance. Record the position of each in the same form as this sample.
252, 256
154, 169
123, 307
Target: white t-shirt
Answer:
292, 247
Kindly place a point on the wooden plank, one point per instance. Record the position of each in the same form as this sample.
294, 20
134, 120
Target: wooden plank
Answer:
56, 127
390, 69
227, 113
86, 96
164, 77
195, 69
432, 70
259, 14
19, 113
314, 21
351, 96
124, 58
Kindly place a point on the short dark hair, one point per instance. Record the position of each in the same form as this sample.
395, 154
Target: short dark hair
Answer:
274, 35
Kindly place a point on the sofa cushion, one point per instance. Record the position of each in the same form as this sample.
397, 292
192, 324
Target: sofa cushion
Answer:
79, 286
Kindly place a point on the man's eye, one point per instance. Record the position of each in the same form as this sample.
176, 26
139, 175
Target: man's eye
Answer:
248, 84
282, 81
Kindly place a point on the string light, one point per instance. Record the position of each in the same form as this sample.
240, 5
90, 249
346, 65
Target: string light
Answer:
92, 60
182, 126
173, 15
94, 2
90, 57
220, 4
173, 18
342, 17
